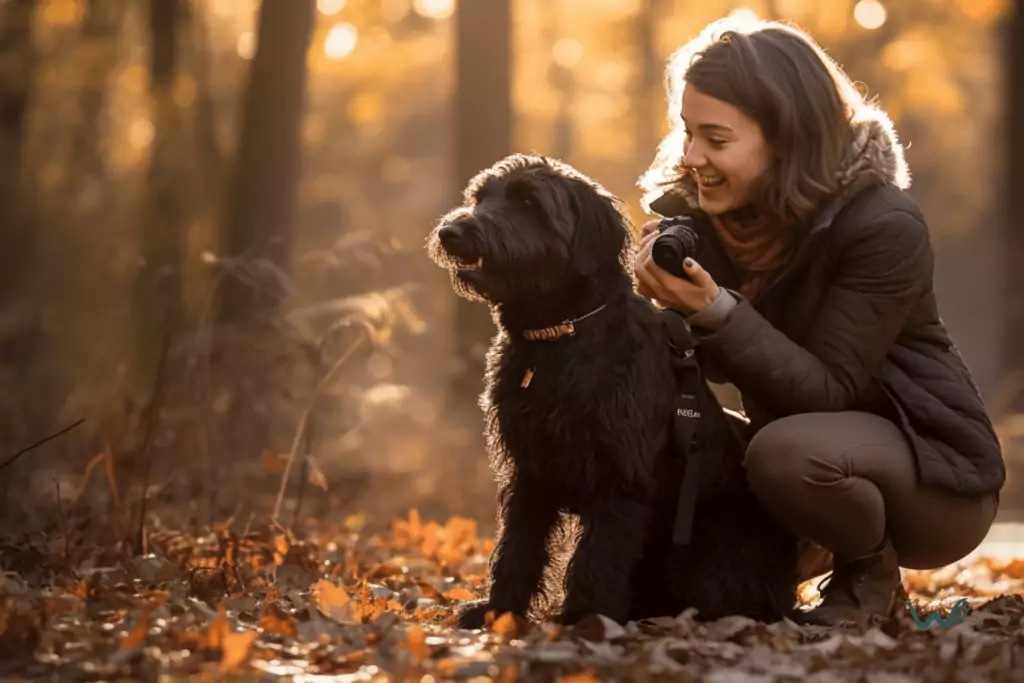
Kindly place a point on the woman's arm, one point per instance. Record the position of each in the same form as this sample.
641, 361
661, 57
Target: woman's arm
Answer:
881, 274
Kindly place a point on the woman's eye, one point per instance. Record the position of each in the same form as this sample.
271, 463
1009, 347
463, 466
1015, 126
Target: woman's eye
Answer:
717, 144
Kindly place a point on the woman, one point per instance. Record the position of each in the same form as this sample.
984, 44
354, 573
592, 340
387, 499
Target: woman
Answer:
813, 296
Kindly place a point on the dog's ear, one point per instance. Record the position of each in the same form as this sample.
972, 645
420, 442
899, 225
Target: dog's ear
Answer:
601, 230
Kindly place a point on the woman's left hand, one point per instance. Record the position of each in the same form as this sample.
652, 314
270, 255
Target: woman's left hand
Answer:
687, 296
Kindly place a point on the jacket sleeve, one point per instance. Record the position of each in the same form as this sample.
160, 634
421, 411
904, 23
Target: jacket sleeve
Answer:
880, 274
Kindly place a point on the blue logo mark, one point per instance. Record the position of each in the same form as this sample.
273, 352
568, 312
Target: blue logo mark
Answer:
958, 613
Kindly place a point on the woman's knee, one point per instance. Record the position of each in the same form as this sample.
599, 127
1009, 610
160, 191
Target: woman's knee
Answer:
784, 453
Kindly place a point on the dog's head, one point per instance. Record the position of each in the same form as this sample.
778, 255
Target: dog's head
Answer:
528, 227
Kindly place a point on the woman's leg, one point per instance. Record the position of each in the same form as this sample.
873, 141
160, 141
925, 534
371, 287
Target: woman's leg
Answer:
848, 482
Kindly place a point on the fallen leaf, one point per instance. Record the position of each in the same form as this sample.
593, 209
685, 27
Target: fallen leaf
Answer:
416, 643
276, 621
334, 602
460, 594
236, 648
274, 462
314, 474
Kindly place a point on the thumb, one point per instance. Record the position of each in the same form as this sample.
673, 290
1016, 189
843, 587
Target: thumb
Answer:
698, 275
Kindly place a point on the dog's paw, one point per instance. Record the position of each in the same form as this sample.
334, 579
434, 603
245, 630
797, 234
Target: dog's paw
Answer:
473, 615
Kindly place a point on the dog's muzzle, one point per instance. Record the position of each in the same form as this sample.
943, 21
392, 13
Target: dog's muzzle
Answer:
459, 245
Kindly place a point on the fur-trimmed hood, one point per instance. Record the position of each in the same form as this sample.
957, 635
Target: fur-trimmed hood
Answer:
875, 156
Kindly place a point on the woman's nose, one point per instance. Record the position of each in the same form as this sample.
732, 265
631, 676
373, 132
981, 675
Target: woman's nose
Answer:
693, 156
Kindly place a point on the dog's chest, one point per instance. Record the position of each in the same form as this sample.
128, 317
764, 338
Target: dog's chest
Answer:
568, 413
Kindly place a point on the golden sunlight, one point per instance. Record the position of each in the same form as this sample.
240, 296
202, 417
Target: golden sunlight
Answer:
870, 14
744, 15
329, 8
434, 9
567, 52
340, 41
246, 45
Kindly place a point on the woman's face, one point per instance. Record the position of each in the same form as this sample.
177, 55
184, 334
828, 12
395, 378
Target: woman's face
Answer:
725, 151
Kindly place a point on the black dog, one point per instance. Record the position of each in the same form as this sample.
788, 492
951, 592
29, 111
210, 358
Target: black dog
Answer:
579, 404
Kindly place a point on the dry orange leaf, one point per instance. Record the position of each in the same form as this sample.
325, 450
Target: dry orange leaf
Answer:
235, 648
587, 676
416, 643
314, 473
505, 626
276, 621
274, 462
462, 594
334, 601
138, 633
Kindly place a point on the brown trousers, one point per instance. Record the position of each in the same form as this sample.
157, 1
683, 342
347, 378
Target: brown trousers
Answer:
841, 480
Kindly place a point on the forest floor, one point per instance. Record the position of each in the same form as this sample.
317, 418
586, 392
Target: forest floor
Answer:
244, 601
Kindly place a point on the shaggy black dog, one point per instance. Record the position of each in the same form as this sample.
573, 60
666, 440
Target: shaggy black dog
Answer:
579, 407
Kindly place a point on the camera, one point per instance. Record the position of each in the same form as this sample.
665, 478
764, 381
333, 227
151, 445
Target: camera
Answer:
677, 240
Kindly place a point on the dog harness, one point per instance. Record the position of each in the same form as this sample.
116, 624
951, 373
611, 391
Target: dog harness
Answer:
686, 417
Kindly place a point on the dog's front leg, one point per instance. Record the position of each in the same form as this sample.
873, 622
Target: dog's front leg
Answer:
528, 514
598, 576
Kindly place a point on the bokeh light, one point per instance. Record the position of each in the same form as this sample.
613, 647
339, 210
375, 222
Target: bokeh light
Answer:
567, 52
245, 46
340, 41
434, 9
870, 14
329, 8
744, 15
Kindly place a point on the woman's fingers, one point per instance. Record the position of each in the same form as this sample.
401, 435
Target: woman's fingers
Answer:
650, 227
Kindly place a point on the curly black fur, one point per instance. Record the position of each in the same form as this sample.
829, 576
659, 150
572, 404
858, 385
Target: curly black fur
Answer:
590, 434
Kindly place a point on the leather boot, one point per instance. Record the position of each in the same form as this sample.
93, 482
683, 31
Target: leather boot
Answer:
859, 587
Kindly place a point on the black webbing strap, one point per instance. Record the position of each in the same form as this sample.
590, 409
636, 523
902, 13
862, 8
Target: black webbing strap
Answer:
689, 385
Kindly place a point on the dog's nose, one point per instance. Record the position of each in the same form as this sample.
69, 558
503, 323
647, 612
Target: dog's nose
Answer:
452, 235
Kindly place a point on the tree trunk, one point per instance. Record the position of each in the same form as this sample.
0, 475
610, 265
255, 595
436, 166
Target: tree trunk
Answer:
649, 84
263, 199
483, 128
19, 321
1015, 193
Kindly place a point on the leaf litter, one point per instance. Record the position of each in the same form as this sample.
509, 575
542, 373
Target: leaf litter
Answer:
342, 604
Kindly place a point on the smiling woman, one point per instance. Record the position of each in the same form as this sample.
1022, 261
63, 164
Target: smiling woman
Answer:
812, 294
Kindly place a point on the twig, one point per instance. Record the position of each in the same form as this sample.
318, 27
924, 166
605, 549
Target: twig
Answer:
63, 523
39, 443
326, 380
303, 476
152, 415
310, 434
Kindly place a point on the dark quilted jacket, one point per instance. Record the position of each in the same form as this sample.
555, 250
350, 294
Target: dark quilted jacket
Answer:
852, 324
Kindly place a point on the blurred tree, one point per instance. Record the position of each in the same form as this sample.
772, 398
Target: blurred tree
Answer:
16, 61
100, 45
1015, 192
483, 129
158, 286
263, 199
18, 319
648, 85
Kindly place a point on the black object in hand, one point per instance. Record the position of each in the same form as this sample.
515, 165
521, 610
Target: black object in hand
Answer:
677, 240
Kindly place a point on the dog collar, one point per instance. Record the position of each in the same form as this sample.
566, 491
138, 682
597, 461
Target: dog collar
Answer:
566, 328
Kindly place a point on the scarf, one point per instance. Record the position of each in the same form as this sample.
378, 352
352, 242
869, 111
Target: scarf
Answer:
755, 247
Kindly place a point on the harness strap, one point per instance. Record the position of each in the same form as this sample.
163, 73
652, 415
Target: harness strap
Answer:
687, 415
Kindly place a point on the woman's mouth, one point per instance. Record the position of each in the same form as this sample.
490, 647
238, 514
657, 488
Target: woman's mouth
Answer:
708, 181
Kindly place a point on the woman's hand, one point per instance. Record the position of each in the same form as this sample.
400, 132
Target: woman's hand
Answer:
688, 296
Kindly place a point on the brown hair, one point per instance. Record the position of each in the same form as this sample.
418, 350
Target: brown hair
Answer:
778, 76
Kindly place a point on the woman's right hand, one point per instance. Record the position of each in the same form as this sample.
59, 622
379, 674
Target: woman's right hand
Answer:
648, 231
